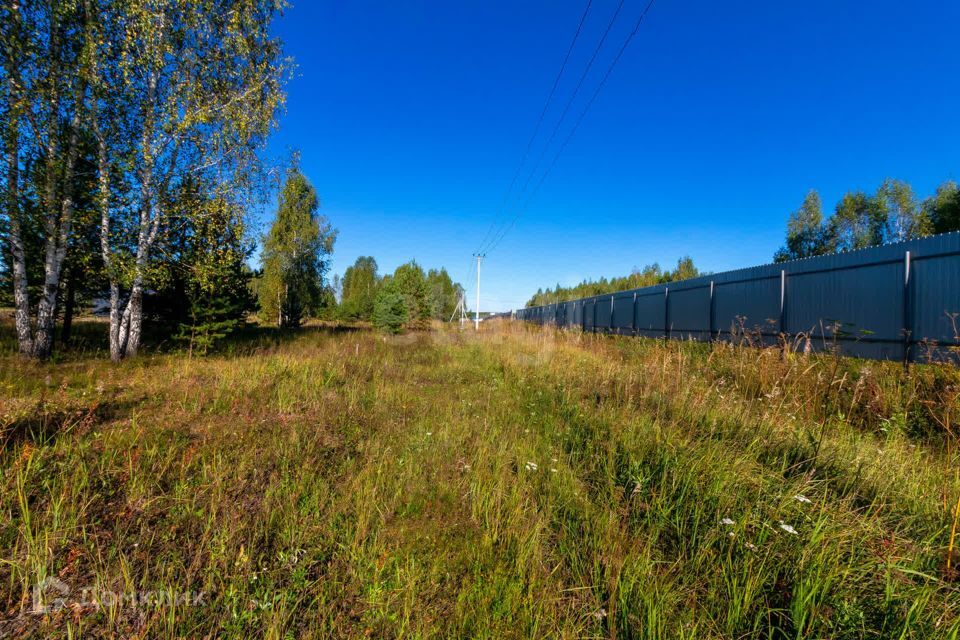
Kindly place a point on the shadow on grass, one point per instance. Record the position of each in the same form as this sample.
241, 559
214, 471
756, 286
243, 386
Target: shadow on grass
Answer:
89, 339
45, 423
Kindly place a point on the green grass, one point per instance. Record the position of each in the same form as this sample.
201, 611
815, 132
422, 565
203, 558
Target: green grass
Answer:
520, 483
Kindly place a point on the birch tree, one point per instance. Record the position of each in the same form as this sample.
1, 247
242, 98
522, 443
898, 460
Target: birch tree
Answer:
296, 255
44, 99
196, 92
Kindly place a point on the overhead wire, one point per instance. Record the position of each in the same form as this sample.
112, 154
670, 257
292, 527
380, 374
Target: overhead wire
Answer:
573, 96
498, 238
536, 129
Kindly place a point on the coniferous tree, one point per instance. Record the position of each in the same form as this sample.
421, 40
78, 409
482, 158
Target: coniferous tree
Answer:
648, 276
390, 311
411, 283
202, 283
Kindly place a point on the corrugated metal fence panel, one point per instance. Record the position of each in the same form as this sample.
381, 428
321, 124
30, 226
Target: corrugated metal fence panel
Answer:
863, 302
935, 290
651, 311
747, 304
604, 308
689, 311
865, 293
623, 313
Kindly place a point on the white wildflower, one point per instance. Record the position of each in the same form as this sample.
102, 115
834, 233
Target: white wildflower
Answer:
802, 498
531, 466
600, 615
788, 528
728, 522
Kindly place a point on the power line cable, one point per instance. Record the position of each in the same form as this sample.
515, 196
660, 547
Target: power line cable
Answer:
498, 238
573, 96
566, 108
536, 129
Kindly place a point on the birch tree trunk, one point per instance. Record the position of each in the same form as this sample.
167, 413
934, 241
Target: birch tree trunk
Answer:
18, 254
58, 224
103, 198
132, 325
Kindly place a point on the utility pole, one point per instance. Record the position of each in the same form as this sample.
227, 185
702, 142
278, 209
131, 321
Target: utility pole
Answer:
476, 322
461, 307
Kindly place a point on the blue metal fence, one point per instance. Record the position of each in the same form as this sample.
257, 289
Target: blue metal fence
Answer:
897, 301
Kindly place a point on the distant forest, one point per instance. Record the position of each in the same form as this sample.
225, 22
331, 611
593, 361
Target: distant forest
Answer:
649, 275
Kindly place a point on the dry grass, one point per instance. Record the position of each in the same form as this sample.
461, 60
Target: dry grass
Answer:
520, 483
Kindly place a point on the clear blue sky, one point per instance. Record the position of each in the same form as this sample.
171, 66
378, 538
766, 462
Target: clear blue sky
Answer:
411, 117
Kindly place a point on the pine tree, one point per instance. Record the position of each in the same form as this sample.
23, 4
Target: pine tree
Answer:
390, 308
411, 283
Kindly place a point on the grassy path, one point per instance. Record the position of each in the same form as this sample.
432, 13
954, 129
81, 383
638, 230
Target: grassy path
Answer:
516, 484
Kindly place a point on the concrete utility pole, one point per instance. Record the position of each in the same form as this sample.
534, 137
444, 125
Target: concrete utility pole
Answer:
476, 322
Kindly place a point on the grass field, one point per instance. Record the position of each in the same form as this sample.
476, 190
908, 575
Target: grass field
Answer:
520, 483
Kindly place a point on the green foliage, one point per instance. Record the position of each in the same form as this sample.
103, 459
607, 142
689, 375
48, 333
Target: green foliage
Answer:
858, 222
943, 208
360, 284
110, 109
904, 216
212, 273
295, 256
390, 311
442, 294
806, 236
891, 214
648, 276
411, 283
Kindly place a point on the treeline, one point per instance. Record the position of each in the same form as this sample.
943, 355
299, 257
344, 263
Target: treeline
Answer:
130, 140
407, 298
893, 213
649, 275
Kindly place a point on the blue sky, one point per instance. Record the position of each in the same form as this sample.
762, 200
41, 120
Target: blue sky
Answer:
411, 117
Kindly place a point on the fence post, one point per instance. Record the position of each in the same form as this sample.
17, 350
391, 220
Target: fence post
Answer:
666, 312
783, 313
783, 301
633, 314
907, 311
611, 314
710, 312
